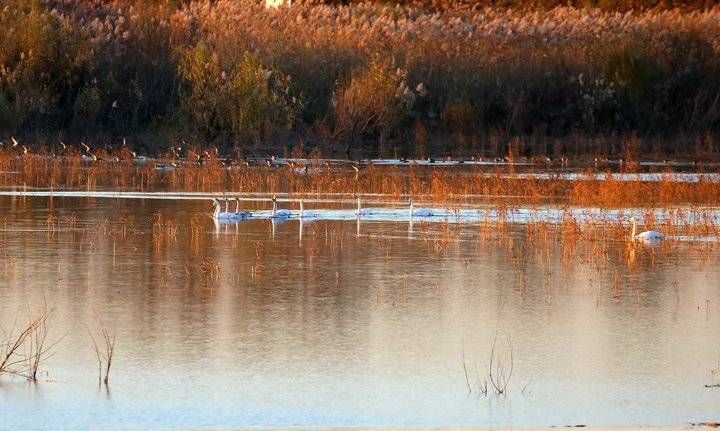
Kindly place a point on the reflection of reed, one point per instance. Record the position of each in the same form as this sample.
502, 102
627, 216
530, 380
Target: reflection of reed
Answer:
163, 245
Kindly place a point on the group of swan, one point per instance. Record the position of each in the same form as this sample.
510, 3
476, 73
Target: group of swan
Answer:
646, 237
276, 213
219, 214
228, 215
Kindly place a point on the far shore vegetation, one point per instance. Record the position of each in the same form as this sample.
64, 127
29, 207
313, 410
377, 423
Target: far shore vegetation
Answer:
638, 78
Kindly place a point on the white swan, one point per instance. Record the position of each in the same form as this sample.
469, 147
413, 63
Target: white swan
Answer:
240, 214
276, 213
422, 212
647, 237
360, 210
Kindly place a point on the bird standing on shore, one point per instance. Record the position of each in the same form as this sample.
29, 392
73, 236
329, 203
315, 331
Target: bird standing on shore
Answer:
88, 156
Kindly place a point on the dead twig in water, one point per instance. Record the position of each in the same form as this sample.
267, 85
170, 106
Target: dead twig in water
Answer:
23, 352
467, 380
501, 367
104, 353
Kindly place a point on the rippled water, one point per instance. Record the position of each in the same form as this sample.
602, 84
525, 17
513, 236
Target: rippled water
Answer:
347, 325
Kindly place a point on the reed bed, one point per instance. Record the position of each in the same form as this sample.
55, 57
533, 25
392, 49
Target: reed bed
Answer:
497, 184
369, 76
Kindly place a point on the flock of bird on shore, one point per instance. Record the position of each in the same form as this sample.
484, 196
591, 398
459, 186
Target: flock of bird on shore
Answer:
177, 156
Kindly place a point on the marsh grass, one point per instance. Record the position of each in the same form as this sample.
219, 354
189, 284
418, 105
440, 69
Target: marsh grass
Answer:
462, 78
438, 185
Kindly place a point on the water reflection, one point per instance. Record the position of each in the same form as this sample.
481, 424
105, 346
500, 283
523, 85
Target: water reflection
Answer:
351, 323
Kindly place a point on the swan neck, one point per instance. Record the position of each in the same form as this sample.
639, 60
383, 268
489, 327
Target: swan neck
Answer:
237, 206
634, 227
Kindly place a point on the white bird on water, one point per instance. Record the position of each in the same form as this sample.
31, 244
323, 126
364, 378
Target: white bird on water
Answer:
647, 237
360, 210
240, 214
276, 213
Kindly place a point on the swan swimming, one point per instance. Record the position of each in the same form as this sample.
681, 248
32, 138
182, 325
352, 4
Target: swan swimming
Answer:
647, 237
241, 214
360, 210
422, 212
276, 213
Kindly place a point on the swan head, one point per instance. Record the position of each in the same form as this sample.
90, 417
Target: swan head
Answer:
632, 220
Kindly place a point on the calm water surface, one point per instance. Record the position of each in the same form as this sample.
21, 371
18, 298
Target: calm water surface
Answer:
386, 328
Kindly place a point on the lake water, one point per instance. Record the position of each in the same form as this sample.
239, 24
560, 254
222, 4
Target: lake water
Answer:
378, 324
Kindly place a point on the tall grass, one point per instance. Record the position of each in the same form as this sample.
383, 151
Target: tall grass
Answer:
388, 77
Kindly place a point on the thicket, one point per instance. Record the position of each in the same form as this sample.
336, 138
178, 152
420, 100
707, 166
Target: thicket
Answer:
238, 75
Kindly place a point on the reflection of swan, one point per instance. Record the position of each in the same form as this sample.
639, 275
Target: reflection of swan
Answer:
648, 237
276, 213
